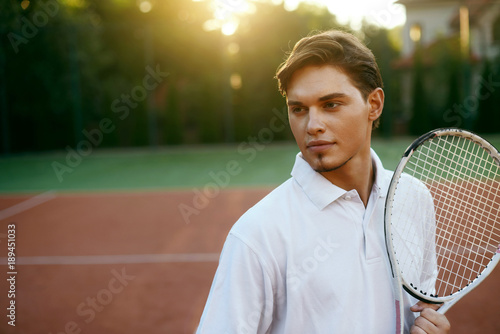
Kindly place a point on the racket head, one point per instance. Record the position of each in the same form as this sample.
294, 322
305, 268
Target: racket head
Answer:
442, 222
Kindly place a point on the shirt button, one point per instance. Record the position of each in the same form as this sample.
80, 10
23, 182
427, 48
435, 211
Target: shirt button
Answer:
347, 197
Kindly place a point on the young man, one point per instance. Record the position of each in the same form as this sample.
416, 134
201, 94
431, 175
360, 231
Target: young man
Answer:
310, 257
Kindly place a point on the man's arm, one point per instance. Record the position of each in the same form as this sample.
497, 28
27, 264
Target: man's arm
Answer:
241, 297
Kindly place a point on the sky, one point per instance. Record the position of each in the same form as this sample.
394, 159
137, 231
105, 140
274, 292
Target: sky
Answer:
380, 12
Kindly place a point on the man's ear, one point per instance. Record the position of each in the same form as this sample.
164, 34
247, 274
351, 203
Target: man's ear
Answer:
376, 102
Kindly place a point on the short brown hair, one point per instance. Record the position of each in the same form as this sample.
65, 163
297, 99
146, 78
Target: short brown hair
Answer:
337, 48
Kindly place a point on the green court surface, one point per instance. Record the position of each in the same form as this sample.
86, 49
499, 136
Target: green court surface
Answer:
245, 164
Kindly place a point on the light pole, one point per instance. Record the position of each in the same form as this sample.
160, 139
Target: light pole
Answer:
145, 6
228, 29
228, 92
465, 56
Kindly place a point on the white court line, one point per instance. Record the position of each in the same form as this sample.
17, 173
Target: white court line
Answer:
114, 259
27, 204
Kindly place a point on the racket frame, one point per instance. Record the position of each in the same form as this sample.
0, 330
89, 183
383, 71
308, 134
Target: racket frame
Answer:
398, 279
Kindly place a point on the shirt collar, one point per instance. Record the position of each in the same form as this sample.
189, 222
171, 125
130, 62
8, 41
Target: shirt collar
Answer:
382, 176
322, 192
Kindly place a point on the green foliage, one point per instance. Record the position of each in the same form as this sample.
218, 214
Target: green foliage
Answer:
379, 41
448, 72
86, 61
488, 117
420, 121
443, 95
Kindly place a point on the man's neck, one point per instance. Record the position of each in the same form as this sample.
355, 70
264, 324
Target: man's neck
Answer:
358, 174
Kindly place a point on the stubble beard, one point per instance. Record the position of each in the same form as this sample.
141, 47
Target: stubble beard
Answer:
324, 168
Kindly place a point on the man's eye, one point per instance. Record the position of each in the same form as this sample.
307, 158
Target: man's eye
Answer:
297, 110
331, 105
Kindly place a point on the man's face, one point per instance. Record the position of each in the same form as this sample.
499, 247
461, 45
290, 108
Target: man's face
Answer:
329, 118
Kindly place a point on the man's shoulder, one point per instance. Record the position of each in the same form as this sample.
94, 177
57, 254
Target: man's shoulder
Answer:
388, 174
267, 227
270, 212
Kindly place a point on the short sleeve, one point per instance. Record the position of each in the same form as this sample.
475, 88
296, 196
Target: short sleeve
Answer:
241, 297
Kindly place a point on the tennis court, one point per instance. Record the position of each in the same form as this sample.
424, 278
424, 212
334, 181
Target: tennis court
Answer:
115, 262
129, 261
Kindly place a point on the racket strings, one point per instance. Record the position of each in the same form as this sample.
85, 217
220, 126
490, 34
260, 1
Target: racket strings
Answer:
471, 263
463, 204
462, 179
462, 208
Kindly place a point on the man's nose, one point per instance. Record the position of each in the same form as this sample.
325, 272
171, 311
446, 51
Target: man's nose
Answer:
315, 122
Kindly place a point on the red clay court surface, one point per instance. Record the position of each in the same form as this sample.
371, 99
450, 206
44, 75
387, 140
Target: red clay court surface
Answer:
128, 263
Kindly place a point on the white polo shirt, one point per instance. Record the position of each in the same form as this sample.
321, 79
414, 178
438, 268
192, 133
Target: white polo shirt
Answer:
308, 258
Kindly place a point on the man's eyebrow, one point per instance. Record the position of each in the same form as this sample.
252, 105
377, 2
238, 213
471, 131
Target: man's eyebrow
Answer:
332, 96
294, 103
321, 99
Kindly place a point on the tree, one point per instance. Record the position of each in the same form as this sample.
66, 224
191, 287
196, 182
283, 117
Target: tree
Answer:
385, 51
488, 116
420, 121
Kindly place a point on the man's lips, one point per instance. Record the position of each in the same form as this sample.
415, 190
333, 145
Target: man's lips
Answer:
319, 145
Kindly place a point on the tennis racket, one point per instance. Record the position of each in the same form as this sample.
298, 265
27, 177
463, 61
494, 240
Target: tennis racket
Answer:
442, 221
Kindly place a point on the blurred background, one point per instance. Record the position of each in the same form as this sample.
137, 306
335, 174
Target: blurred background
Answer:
65, 65
134, 133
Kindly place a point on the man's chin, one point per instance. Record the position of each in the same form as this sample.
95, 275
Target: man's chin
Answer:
322, 164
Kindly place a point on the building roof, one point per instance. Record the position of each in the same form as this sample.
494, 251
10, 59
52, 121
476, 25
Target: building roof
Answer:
425, 2
469, 3
476, 8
